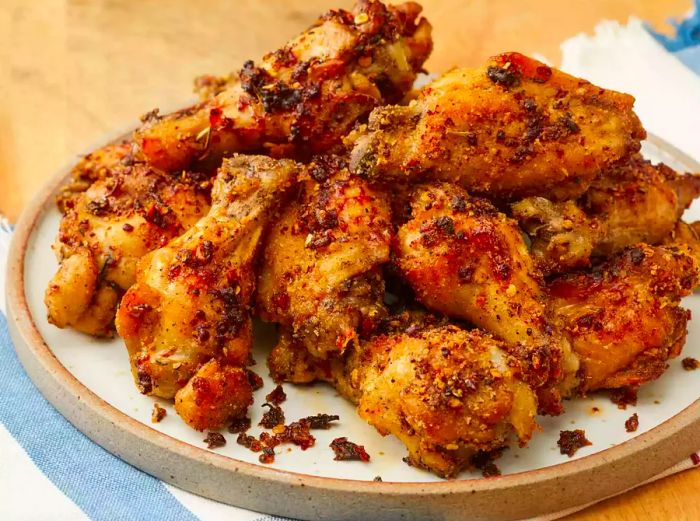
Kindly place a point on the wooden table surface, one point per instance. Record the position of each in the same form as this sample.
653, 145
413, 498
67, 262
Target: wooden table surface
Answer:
74, 71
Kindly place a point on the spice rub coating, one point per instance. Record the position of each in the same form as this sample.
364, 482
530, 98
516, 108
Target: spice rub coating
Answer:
511, 129
302, 98
191, 302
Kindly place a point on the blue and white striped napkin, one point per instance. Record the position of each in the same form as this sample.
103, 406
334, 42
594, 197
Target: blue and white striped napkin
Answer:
50, 471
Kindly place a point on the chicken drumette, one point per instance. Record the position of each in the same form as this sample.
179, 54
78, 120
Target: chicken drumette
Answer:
186, 322
448, 394
304, 97
320, 277
632, 202
464, 258
512, 129
129, 210
623, 318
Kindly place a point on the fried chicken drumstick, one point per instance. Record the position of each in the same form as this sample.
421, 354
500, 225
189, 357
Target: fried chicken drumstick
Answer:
464, 258
320, 276
126, 212
624, 318
512, 129
446, 393
186, 322
304, 97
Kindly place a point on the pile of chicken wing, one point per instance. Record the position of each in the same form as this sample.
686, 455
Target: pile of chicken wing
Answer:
454, 260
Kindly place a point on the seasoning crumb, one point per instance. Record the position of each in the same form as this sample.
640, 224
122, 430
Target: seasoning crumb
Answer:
320, 421
690, 364
273, 416
378, 478
239, 425
623, 397
276, 396
214, 440
695, 458
256, 382
571, 441
632, 423
347, 451
158, 413
490, 470
267, 456
249, 442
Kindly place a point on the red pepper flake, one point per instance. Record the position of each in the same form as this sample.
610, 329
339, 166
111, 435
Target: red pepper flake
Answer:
158, 413
632, 423
214, 440
239, 425
127, 227
695, 458
348, 451
276, 396
267, 456
623, 397
690, 364
571, 441
273, 417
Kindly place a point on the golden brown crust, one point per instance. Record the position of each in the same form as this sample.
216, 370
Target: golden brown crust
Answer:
624, 318
320, 273
126, 212
192, 297
632, 202
511, 129
303, 97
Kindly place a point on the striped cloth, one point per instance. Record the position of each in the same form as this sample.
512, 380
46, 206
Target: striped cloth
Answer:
50, 471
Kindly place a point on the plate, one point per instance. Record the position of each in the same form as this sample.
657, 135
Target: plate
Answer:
89, 382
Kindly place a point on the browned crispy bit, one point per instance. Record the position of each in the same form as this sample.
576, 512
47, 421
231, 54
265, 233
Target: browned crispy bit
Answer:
273, 416
632, 423
249, 442
256, 382
347, 451
690, 364
276, 396
623, 397
267, 456
571, 441
321, 421
215, 440
158, 413
239, 425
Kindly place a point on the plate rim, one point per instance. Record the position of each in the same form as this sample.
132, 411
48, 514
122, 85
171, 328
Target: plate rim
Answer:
669, 440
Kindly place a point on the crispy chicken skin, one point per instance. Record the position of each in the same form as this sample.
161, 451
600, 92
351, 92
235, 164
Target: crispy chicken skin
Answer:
94, 166
632, 202
512, 129
464, 258
320, 273
126, 212
446, 393
191, 301
303, 97
624, 318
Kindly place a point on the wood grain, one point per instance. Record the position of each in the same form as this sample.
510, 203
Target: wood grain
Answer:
75, 71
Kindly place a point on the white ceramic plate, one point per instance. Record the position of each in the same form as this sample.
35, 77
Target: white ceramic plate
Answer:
103, 370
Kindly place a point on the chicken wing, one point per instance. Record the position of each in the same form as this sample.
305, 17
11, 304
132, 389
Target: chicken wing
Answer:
630, 203
303, 97
465, 259
186, 322
320, 275
126, 212
624, 318
512, 129
446, 393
